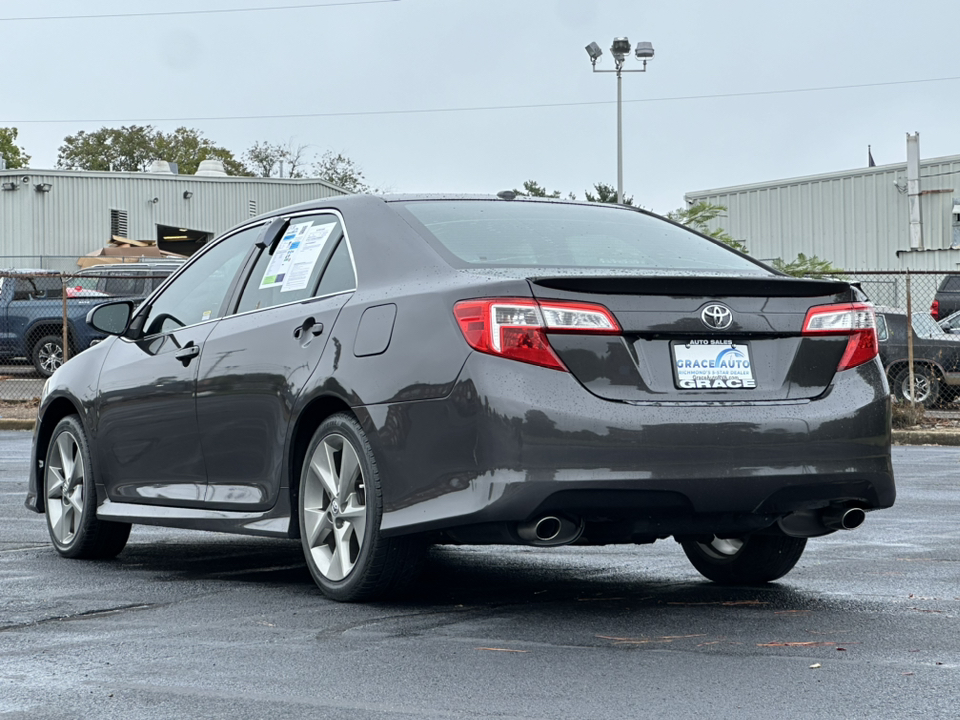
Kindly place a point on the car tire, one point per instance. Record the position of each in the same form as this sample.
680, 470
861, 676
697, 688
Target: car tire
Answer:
750, 560
340, 506
71, 498
926, 382
47, 354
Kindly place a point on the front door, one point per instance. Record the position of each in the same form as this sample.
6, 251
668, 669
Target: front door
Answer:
147, 397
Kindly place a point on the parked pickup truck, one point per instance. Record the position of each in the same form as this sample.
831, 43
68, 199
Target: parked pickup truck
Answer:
947, 299
936, 357
31, 319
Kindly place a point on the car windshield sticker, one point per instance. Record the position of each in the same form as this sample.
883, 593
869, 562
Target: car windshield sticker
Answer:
305, 257
279, 264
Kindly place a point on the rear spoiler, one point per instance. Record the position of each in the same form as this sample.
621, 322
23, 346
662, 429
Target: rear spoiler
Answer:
696, 285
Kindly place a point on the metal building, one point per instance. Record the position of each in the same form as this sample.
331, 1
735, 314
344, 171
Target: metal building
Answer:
886, 217
48, 218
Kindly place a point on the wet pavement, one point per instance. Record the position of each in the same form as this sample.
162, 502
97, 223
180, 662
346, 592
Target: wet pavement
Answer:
187, 624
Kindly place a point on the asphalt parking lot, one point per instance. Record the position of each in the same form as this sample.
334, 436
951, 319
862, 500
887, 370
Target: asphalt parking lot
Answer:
201, 625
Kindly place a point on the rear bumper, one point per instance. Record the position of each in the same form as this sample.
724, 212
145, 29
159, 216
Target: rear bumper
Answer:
513, 441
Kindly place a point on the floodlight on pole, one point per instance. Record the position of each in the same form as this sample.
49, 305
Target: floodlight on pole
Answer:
620, 49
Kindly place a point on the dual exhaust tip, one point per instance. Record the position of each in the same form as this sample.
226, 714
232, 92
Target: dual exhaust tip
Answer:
551, 530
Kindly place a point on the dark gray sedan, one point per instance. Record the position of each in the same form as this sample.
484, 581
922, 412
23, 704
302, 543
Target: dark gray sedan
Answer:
373, 375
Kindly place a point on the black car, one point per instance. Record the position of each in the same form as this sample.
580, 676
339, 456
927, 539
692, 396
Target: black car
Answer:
936, 357
373, 375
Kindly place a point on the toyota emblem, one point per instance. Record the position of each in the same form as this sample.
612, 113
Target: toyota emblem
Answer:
716, 317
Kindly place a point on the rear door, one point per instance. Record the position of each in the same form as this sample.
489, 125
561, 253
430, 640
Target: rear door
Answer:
257, 360
700, 338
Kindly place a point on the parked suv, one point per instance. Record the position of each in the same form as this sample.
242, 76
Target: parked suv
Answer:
31, 319
121, 279
947, 299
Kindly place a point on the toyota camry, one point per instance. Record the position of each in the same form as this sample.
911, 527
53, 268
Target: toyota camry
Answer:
372, 375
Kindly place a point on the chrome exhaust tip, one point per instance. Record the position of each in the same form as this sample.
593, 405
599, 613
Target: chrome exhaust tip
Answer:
844, 518
550, 530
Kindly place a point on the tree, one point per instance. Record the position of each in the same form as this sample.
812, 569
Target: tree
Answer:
812, 267
124, 149
14, 155
698, 217
606, 194
187, 147
339, 170
531, 188
266, 159
133, 148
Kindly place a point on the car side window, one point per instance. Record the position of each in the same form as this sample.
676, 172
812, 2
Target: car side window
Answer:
952, 284
882, 333
123, 285
289, 270
198, 294
339, 275
38, 288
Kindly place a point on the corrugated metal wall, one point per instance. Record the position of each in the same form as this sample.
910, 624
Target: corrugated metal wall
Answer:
73, 218
857, 220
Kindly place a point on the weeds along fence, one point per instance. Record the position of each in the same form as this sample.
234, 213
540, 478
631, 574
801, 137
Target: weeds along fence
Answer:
43, 319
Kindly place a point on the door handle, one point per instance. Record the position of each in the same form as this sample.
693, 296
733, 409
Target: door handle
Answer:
311, 326
187, 353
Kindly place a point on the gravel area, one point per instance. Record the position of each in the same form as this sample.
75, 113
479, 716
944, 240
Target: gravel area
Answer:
13, 410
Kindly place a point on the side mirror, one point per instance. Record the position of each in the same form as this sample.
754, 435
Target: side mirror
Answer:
111, 318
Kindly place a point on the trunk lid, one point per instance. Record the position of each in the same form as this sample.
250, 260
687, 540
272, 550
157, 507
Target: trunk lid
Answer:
725, 333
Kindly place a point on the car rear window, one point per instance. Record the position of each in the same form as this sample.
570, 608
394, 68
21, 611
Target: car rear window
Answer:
951, 283
531, 234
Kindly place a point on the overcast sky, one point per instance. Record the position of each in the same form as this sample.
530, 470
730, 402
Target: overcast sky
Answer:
448, 56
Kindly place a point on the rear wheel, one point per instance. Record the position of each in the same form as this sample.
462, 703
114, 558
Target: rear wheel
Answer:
71, 498
340, 509
745, 561
926, 385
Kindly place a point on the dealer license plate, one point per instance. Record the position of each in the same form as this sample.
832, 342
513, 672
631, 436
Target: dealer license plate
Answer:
712, 364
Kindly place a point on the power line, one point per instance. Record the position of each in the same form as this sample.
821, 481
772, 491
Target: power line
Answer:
198, 12
421, 111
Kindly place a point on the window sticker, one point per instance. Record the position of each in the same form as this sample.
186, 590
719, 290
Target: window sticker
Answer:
283, 256
305, 257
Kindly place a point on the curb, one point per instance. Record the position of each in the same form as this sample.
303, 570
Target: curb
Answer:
926, 437
9, 424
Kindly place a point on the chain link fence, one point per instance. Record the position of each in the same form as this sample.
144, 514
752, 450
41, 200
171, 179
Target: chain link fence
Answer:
43, 321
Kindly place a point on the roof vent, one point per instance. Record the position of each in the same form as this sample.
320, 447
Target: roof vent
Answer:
160, 167
211, 168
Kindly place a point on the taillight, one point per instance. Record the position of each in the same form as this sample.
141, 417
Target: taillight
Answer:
854, 319
935, 309
516, 328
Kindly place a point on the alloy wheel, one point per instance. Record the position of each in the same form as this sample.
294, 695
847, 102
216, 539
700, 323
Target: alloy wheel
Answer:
50, 355
64, 482
921, 387
334, 507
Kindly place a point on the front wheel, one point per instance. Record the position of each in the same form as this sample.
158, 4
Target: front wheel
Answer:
926, 385
340, 507
749, 560
47, 354
71, 498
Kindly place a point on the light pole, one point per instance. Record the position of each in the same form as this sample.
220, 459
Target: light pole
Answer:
620, 49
